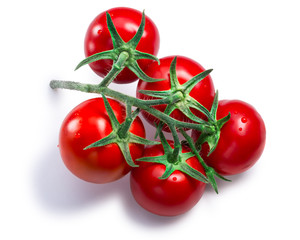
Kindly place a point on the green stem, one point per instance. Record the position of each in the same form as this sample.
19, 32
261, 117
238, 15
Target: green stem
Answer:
210, 172
117, 67
142, 104
177, 144
124, 129
193, 147
146, 105
92, 88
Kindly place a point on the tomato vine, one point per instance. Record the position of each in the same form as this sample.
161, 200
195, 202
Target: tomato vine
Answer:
176, 158
124, 54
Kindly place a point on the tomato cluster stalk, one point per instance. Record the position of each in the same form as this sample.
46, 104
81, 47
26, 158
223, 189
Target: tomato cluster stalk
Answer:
124, 54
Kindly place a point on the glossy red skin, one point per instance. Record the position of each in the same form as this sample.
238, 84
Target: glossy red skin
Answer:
126, 21
170, 197
186, 69
87, 123
242, 139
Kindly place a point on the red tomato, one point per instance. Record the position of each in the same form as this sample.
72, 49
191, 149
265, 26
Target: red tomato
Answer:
126, 21
166, 197
186, 69
242, 139
86, 124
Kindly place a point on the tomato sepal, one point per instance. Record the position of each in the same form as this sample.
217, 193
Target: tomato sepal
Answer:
111, 138
171, 167
212, 138
173, 158
211, 174
109, 54
179, 95
120, 133
121, 47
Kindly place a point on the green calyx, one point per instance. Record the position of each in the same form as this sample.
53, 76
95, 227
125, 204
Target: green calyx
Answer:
123, 54
179, 95
120, 133
173, 159
212, 139
211, 174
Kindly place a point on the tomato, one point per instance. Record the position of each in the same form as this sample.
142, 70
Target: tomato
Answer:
87, 123
126, 21
166, 197
186, 69
242, 139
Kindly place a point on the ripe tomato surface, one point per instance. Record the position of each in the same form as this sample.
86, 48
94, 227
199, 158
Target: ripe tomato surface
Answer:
126, 21
87, 123
166, 197
186, 69
242, 139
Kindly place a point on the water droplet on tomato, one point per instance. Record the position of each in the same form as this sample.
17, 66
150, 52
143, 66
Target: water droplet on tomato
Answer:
235, 112
244, 120
77, 135
174, 179
240, 129
99, 31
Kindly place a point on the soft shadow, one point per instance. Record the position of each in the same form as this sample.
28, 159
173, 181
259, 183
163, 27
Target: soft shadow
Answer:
59, 190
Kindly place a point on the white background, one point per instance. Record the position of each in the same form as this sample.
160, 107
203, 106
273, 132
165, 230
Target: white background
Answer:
254, 49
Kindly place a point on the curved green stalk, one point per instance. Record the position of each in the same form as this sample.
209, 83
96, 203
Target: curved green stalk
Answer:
206, 127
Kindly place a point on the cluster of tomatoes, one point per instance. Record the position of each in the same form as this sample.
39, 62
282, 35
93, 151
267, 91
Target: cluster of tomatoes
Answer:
240, 144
